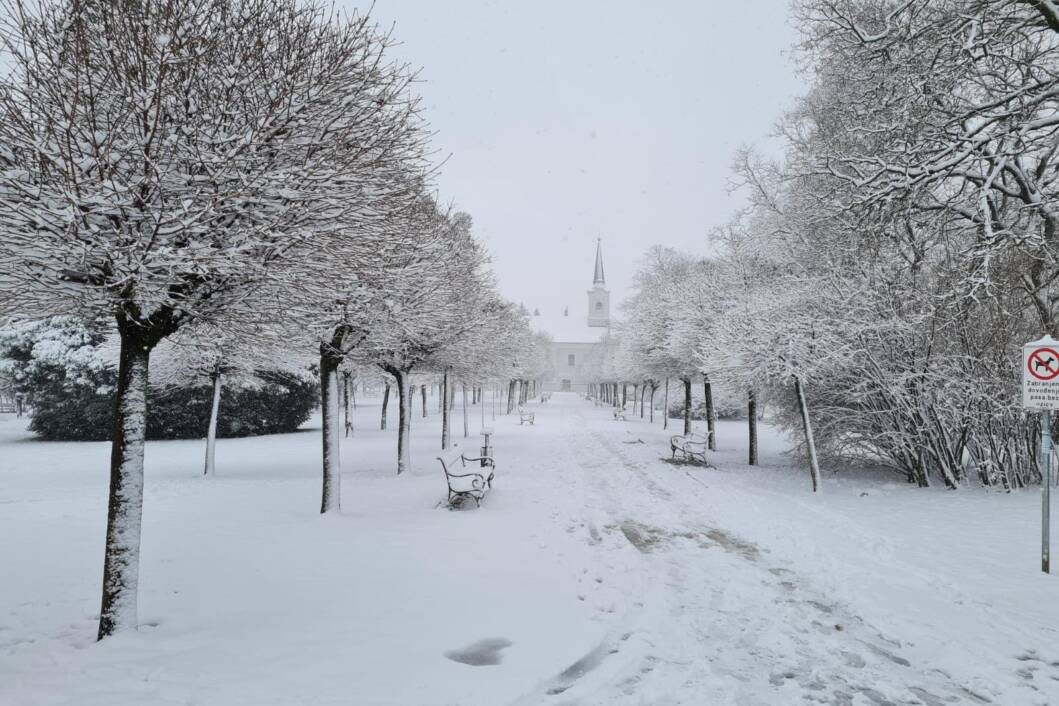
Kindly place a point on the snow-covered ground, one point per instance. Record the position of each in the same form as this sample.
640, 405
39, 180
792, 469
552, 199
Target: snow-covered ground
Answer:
594, 573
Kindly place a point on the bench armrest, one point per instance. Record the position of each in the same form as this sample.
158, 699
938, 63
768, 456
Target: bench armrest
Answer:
465, 475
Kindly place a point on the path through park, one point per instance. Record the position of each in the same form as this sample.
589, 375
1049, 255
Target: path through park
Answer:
595, 572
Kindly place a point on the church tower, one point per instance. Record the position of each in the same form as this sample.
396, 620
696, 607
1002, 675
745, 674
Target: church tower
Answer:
599, 295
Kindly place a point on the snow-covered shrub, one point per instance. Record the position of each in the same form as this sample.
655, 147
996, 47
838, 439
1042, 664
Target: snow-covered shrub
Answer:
727, 403
271, 403
60, 367
67, 373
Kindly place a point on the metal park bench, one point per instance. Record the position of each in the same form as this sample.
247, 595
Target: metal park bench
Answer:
471, 485
691, 447
619, 414
524, 416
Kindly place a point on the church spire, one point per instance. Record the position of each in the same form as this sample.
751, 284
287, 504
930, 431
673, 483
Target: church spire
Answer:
598, 279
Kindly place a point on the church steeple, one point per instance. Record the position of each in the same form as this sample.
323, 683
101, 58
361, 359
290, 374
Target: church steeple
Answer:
598, 296
598, 280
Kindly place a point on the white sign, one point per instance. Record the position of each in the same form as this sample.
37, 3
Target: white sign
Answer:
1040, 374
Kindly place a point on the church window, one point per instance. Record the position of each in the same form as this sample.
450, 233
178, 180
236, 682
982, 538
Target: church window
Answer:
570, 359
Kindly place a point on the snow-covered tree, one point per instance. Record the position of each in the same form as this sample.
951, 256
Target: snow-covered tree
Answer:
159, 155
446, 301
214, 351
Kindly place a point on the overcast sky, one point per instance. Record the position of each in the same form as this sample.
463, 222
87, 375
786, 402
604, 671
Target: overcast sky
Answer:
564, 121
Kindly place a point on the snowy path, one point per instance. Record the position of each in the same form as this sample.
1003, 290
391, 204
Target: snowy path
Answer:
713, 620
594, 573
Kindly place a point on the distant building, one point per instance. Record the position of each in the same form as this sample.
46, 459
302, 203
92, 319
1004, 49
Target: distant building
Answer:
575, 335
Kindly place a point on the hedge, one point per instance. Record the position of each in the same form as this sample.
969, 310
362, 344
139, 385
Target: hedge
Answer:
65, 411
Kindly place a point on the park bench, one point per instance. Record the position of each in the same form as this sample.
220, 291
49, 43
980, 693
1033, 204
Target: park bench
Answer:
463, 485
545, 397
619, 414
691, 447
524, 416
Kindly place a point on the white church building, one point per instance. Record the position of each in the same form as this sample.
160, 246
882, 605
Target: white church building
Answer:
575, 333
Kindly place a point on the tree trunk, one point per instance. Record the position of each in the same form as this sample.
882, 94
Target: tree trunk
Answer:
651, 403
121, 560
665, 407
687, 406
752, 412
347, 400
711, 414
624, 394
404, 420
465, 428
643, 393
329, 399
423, 390
211, 430
445, 410
810, 444
385, 404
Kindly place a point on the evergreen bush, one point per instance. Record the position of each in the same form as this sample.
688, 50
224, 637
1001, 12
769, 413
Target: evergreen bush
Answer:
60, 366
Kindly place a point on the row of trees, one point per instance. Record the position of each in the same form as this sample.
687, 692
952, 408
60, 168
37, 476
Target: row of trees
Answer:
878, 288
238, 182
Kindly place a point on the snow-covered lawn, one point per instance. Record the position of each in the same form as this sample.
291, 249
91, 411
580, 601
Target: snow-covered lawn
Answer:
594, 573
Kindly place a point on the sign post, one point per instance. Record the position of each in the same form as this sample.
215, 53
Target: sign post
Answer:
1046, 492
1040, 393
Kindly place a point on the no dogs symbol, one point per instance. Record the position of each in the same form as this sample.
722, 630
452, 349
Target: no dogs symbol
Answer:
1043, 364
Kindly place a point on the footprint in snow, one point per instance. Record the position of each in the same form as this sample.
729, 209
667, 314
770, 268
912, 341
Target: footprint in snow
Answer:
482, 653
